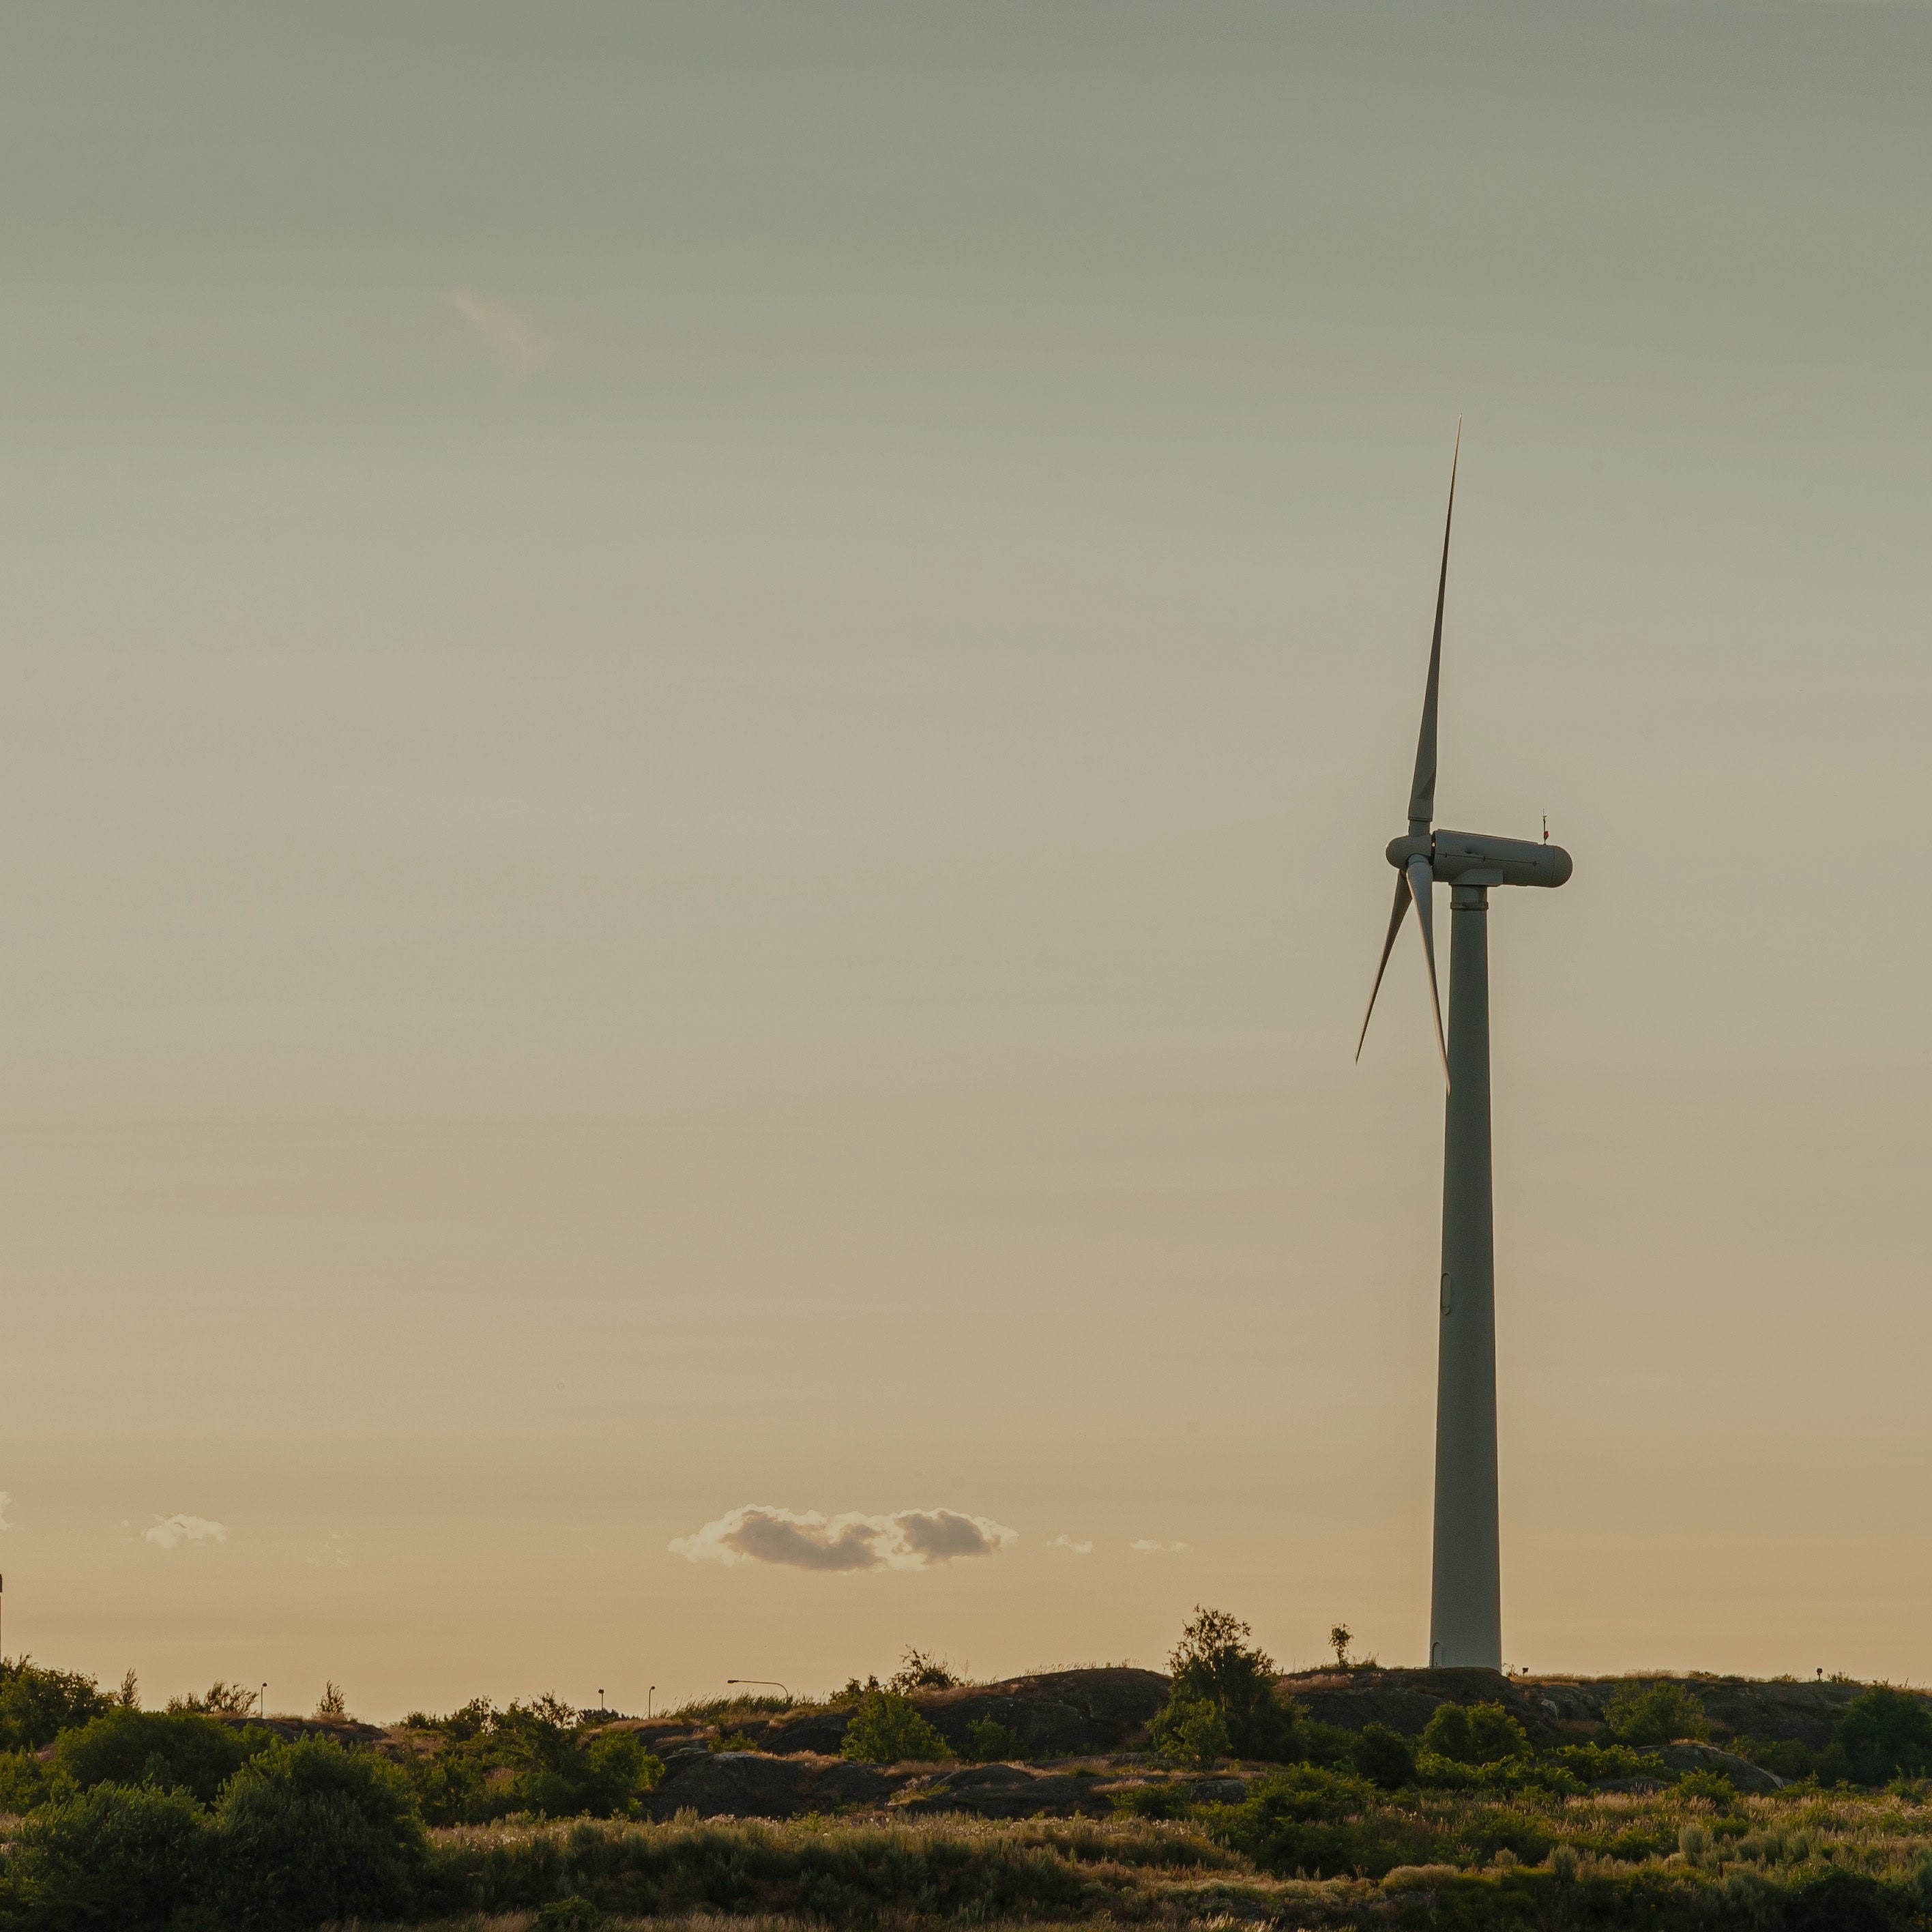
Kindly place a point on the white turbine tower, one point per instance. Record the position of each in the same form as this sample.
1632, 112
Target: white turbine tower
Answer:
1466, 1590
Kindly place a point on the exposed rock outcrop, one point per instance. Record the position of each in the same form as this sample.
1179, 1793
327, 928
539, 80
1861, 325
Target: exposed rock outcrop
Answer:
753, 1784
1053, 1714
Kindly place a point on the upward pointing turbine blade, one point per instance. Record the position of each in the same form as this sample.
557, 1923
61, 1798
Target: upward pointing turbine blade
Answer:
1420, 882
1422, 792
1388, 946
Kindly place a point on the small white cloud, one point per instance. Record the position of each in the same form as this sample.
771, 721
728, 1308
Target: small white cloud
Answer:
513, 339
169, 1530
6, 1504
907, 1540
1150, 1545
1067, 1543
329, 1556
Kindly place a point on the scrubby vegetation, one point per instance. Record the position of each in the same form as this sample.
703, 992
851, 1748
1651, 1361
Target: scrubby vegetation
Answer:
1223, 1698
886, 1728
535, 1759
1235, 1804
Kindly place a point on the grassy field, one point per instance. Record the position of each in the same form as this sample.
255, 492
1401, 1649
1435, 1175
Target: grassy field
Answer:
1216, 1795
1663, 1860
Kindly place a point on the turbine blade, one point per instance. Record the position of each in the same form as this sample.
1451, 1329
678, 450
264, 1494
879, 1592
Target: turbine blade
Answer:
1388, 946
1422, 792
1421, 882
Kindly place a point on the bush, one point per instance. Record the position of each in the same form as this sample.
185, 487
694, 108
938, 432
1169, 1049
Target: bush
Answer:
233, 1700
1654, 1714
556, 1767
886, 1728
1842, 1901
37, 1704
618, 1767
1714, 1785
1885, 1733
1384, 1757
988, 1741
1598, 1764
1473, 1734
1153, 1801
167, 1748
309, 1832
573, 1914
1191, 1731
1306, 1820
1214, 1664
1782, 1757
920, 1671
23, 1781
124, 1859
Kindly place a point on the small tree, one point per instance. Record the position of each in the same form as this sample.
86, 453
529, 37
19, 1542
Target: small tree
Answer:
308, 1833
1886, 1732
130, 1856
187, 1750
1191, 1731
1383, 1757
886, 1728
1473, 1734
919, 1670
989, 1741
1654, 1714
1214, 1664
37, 1704
331, 1703
222, 1698
1340, 1638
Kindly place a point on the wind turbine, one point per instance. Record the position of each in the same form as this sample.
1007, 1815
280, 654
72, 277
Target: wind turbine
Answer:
1465, 1586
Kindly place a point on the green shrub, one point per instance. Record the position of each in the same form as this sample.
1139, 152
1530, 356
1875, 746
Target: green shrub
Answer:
1842, 1901
1599, 1764
309, 1832
988, 1741
618, 1767
1164, 1800
1473, 1734
37, 1704
1214, 1664
1714, 1785
1654, 1714
1321, 1822
886, 1728
919, 1670
1783, 1757
574, 1914
555, 1768
168, 1748
1191, 1731
1885, 1733
123, 1859
23, 1781
233, 1700
1384, 1757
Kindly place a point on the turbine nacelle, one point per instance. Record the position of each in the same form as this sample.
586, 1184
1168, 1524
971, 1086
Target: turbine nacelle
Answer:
1475, 858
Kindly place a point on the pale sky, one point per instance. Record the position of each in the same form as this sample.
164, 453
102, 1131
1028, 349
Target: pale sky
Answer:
700, 702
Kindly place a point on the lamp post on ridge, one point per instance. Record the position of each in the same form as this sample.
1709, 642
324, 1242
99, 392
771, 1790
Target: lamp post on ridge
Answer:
772, 1682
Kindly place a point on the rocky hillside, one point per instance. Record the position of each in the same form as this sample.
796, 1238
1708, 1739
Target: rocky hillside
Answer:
1053, 1713
1554, 1710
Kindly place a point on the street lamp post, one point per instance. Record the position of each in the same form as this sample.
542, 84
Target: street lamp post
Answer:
771, 1683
